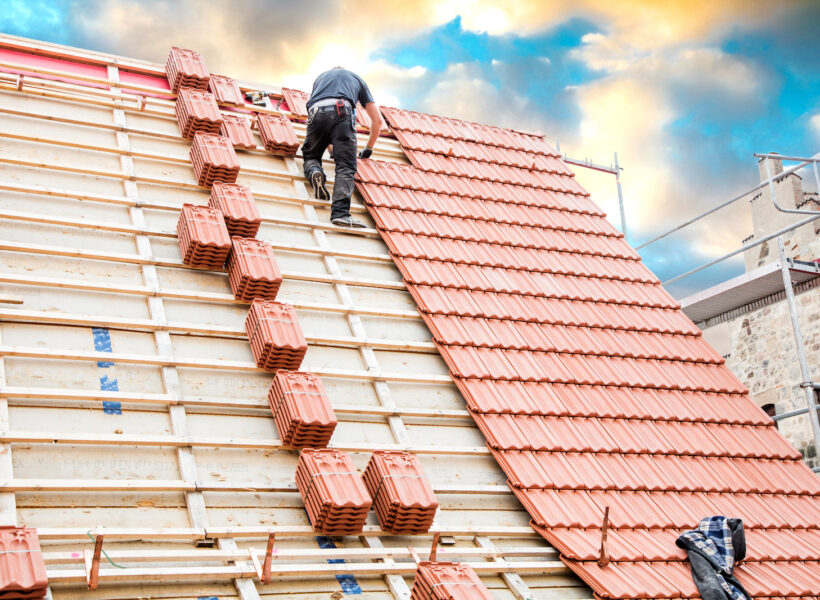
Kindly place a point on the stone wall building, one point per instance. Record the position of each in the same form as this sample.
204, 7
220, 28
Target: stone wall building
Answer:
747, 318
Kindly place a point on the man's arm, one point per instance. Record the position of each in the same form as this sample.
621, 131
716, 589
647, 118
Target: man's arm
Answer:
372, 110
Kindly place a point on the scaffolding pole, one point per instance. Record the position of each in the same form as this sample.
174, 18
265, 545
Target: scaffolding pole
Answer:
806, 384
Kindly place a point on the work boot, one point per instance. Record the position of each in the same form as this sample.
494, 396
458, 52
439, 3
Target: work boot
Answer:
317, 181
347, 221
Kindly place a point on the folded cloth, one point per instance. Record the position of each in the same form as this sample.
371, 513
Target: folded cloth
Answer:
713, 549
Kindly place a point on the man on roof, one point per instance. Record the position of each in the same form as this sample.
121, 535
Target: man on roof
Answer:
332, 121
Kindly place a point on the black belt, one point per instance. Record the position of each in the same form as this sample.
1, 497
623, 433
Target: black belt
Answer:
334, 104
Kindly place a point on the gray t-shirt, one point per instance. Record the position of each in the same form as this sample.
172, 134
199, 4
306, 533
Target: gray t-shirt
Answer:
340, 83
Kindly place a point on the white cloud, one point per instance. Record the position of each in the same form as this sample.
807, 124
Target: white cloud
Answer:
814, 124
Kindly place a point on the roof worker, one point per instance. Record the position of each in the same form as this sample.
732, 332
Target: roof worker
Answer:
332, 120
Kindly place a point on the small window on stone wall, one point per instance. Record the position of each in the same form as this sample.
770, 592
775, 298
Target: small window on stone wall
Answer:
770, 410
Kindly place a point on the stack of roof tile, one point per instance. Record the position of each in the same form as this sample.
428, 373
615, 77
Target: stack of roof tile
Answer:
238, 130
186, 68
22, 569
197, 110
214, 159
276, 338
226, 90
403, 497
203, 237
336, 500
252, 270
236, 204
296, 101
591, 386
301, 409
277, 134
447, 581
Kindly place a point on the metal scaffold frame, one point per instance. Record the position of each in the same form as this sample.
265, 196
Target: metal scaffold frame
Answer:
809, 386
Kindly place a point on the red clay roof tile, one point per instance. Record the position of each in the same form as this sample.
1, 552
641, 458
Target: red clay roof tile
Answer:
296, 101
226, 90
186, 68
585, 377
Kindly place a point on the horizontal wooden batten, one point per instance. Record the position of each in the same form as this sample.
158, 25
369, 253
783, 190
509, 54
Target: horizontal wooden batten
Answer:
136, 259
214, 297
199, 363
115, 439
206, 402
57, 318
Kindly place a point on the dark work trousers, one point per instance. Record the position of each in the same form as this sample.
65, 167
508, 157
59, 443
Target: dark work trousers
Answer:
327, 126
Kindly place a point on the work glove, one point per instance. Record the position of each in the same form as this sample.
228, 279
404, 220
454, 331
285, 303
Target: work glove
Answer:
366, 152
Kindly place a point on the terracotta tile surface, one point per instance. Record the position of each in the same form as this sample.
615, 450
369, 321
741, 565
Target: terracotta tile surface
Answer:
447, 581
197, 110
226, 90
403, 497
252, 270
22, 570
592, 388
276, 338
203, 237
277, 134
296, 101
213, 159
186, 68
238, 130
301, 409
334, 494
236, 204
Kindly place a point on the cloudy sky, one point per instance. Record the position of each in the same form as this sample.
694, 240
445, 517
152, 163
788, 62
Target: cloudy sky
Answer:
685, 91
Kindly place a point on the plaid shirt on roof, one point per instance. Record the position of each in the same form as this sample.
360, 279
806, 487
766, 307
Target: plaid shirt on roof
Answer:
713, 540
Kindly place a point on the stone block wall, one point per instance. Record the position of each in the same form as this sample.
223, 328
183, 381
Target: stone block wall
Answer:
764, 357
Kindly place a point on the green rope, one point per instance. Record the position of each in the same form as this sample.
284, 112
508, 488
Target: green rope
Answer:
104, 553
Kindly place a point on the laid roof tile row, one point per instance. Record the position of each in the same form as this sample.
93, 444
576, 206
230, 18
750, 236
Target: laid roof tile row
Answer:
659, 544
435, 300
566, 194
489, 135
476, 210
411, 140
490, 171
517, 258
653, 510
622, 290
673, 580
652, 472
409, 241
471, 362
610, 402
500, 333
663, 442
629, 436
